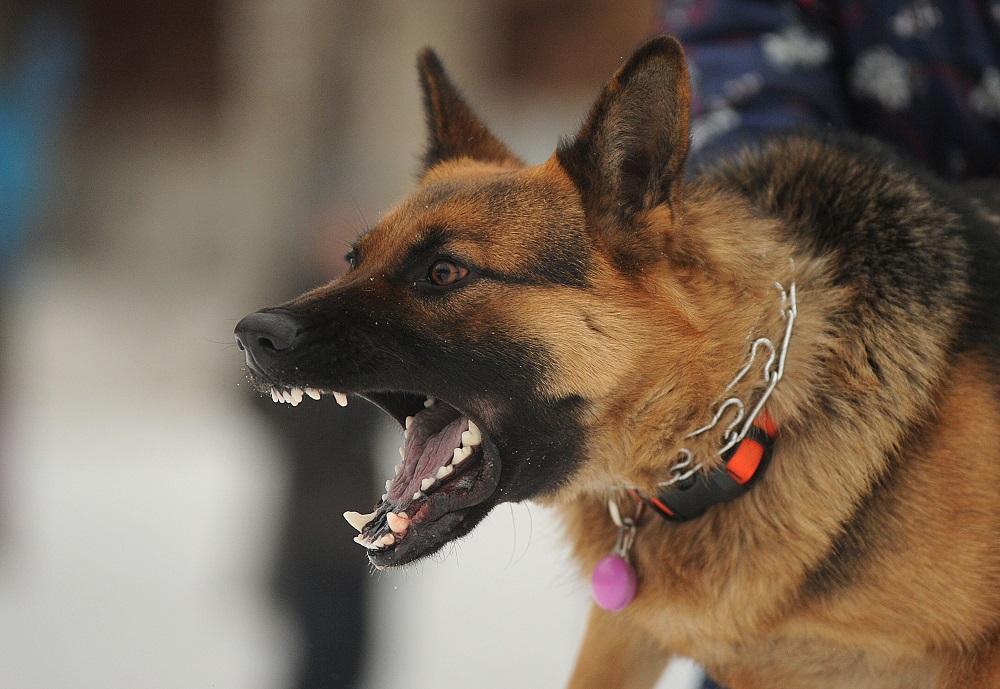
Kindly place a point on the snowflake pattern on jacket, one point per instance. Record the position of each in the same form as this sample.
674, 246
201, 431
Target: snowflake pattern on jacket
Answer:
921, 75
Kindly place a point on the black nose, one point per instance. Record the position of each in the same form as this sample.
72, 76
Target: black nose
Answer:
265, 336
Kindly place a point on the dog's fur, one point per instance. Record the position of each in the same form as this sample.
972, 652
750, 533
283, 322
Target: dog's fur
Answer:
608, 301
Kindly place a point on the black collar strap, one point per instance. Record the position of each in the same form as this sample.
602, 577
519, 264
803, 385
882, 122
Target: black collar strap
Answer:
742, 465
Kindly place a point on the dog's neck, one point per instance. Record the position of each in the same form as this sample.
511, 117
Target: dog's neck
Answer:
746, 431
743, 427
721, 302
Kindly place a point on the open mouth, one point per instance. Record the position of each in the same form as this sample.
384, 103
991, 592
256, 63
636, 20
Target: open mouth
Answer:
447, 468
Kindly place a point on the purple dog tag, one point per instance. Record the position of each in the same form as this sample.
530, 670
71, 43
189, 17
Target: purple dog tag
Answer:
613, 583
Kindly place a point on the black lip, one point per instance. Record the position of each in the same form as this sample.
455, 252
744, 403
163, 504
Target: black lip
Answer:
398, 405
442, 523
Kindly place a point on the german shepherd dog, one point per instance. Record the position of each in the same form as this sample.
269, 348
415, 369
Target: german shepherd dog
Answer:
764, 399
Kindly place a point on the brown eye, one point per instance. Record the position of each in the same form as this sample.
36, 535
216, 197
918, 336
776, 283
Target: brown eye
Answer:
446, 273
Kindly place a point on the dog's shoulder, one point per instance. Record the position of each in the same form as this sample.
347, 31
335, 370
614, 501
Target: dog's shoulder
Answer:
894, 232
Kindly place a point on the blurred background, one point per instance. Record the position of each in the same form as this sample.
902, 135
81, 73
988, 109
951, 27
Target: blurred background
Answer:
167, 166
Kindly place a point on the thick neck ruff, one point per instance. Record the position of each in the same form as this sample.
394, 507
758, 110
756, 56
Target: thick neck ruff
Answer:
746, 442
746, 445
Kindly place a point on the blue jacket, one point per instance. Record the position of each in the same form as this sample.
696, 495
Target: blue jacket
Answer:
921, 75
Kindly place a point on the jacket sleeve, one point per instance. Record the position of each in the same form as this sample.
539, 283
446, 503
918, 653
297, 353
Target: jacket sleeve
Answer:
757, 66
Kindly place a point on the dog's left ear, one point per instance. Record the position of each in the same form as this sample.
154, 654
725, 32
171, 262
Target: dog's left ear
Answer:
629, 155
454, 130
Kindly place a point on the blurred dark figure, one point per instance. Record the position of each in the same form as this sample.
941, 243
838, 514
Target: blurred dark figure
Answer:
322, 574
323, 577
920, 75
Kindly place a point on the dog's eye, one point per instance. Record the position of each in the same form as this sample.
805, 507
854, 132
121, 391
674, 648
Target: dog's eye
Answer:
446, 273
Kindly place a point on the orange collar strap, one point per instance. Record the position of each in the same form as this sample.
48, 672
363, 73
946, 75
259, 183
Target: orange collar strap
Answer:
742, 466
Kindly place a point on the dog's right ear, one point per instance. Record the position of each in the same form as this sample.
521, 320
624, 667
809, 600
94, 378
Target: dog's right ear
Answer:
454, 130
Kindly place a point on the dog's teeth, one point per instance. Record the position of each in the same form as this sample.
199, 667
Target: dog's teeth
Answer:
402, 453
475, 435
358, 520
461, 454
275, 396
387, 540
417, 495
409, 422
427, 483
296, 394
286, 396
471, 437
398, 468
361, 540
399, 523
314, 393
445, 471
341, 398
388, 484
429, 402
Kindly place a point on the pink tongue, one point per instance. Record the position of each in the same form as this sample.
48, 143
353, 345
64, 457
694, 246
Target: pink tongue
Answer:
426, 452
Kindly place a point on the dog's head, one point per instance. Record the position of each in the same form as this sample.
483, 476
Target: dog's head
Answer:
499, 312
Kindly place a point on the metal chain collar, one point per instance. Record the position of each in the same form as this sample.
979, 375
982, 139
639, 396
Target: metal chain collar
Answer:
774, 369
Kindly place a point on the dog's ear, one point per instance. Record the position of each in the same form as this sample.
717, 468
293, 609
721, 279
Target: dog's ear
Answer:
454, 130
629, 155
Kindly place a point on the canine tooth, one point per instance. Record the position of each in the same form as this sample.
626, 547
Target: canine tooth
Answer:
398, 468
445, 471
341, 398
358, 520
388, 539
409, 422
461, 454
475, 435
471, 438
429, 402
313, 392
418, 495
296, 394
399, 523
275, 396
427, 483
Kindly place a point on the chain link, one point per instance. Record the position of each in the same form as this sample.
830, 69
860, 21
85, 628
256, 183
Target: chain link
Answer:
626, 527
686, 467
